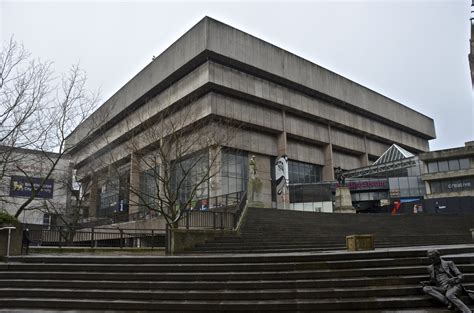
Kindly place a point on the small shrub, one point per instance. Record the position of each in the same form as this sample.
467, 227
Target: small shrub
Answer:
7, 219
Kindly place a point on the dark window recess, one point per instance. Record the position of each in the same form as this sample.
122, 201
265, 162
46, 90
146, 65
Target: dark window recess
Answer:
464, 164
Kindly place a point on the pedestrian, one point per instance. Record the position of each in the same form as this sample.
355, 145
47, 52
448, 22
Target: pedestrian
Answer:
445, 282
25, 241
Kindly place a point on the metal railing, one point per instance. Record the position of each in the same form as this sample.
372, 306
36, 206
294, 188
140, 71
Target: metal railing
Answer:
224, 213
207, 219
240, 210
98, 237
216, 217
211, 217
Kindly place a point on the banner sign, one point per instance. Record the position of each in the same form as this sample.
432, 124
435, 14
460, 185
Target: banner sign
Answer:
22, 187
281, 174
364, 184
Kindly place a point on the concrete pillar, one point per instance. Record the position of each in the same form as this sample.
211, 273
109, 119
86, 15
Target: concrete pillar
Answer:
135, 169
328, 168
364, 158
282, 143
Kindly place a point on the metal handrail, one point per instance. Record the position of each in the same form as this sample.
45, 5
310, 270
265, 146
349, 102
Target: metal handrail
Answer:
240, 210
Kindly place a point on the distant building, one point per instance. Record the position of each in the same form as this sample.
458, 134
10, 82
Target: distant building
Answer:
449, 177
438, 181
26, 168
395, 177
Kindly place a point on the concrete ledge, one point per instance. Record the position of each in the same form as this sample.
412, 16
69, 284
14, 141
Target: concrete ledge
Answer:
99, 251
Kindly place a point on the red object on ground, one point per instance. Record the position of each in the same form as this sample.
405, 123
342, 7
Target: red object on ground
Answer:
396, 207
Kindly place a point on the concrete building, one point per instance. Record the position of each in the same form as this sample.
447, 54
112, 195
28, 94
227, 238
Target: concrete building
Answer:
438, 181
449, 177
26, 167
284, 105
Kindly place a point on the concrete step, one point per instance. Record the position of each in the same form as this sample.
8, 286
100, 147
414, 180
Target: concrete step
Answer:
300, 305
294, 282
219, 285
222, 267
278, 231
228, 276
163, 294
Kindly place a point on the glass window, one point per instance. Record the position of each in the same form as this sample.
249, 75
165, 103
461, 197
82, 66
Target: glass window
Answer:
453, 165
300, 172
403, 181
188, 173
445, 185
414, 170
413, 182
149, 189
443, 166
435, 187
464, 164
234, 171
109, 197
46, 219
393, 183
432, 167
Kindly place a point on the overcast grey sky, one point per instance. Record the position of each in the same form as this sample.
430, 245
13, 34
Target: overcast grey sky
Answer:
414, 52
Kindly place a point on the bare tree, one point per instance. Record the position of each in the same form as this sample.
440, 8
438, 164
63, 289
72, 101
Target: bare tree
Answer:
24, 87
77, 208
178, 154
38, 111
71, 105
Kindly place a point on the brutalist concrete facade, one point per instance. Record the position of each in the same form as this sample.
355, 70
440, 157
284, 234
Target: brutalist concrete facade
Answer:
287, 104
450, 172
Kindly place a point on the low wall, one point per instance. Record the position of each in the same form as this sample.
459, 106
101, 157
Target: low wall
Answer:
185, 239
15, 241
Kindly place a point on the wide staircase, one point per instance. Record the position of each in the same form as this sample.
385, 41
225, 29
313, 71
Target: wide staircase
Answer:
271, 230
384, 280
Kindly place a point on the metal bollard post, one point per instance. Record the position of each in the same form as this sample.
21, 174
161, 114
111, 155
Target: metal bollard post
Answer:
9, 239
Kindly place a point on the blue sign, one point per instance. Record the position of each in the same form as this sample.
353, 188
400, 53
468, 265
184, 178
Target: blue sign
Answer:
409, 200
23, 187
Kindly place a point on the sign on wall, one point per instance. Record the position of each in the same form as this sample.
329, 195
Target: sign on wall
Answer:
281, 174
22, 187
364, 184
